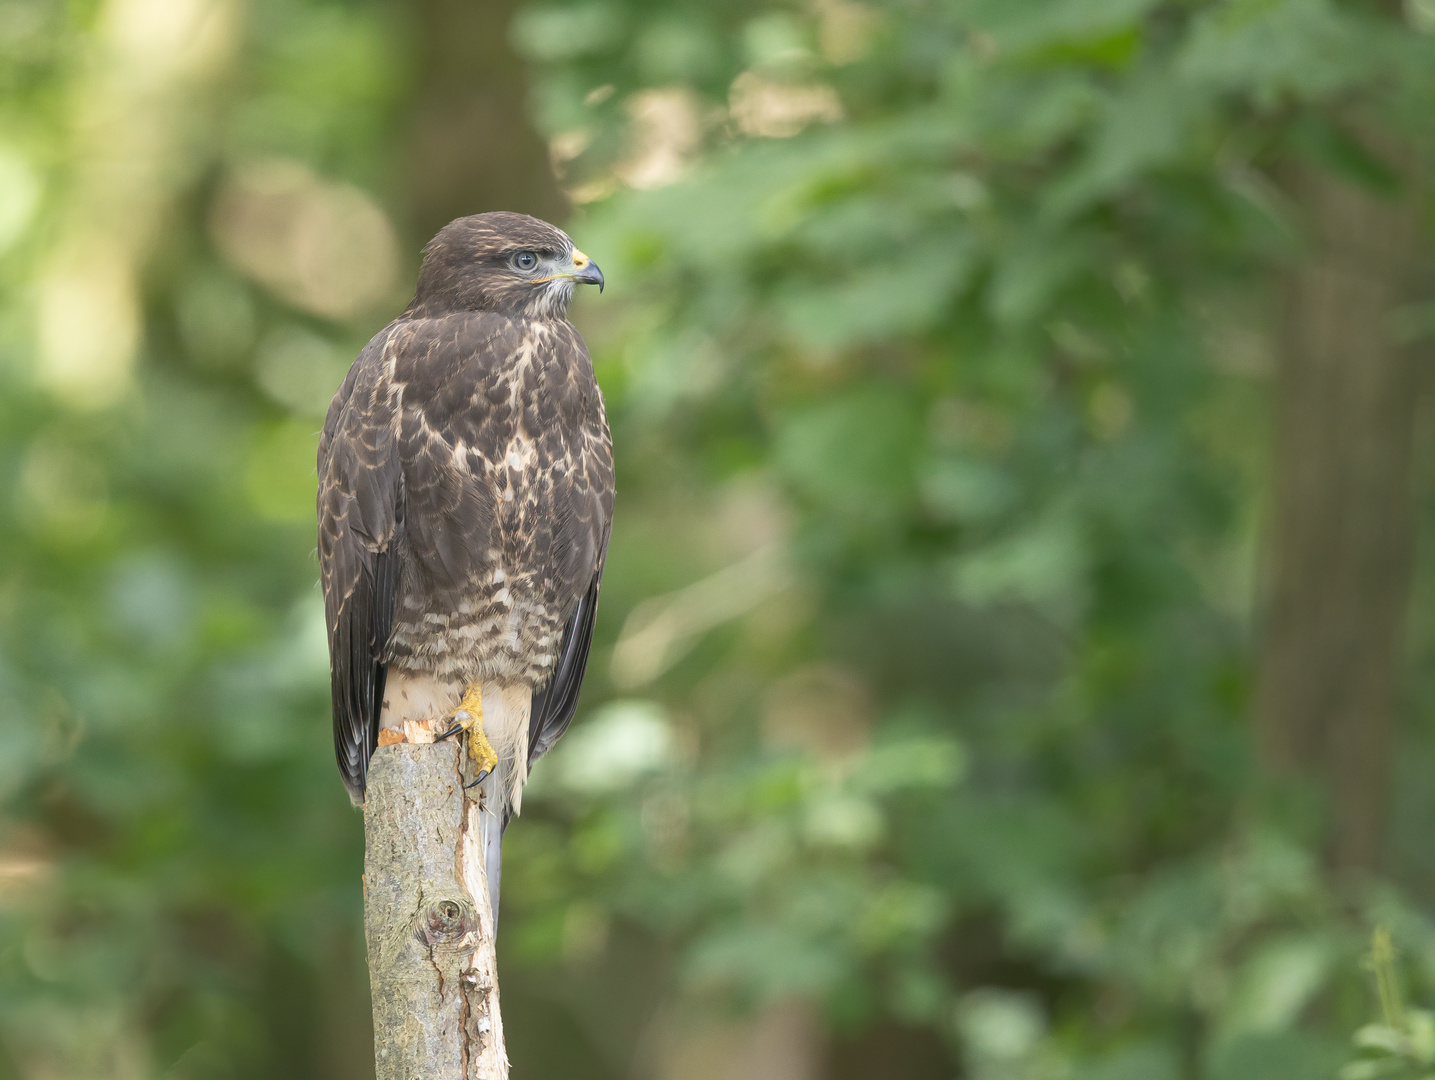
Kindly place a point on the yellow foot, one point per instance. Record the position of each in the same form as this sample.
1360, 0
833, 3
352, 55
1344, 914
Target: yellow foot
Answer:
469, 716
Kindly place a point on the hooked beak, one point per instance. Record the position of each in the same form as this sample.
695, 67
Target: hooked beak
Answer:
585, 270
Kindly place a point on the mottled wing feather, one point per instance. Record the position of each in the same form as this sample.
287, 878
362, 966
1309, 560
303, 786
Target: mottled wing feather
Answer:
359, 505
466, 491
444, 366
589, 513
553, 709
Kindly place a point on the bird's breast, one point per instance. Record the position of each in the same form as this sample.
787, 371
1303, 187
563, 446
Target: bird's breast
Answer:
504, 622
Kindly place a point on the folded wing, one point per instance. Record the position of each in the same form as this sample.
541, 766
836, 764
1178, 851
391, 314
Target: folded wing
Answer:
360, 510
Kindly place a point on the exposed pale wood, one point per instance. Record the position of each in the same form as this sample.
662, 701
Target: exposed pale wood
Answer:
428, 921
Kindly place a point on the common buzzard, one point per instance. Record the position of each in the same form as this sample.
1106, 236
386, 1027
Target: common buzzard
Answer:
465, 500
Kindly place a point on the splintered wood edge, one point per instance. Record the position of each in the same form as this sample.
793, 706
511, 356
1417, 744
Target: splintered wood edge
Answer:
417, 732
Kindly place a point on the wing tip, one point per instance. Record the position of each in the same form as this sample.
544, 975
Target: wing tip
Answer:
353, 769
356, 792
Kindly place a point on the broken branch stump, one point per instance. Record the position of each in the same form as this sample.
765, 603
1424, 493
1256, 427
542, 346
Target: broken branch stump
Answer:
427, 920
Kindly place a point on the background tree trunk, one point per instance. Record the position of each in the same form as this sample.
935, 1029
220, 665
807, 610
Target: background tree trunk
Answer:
472, 146
428, 921
1329, 670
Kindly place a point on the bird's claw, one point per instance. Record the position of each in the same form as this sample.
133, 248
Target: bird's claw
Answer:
449, 733
480, 778
469, 717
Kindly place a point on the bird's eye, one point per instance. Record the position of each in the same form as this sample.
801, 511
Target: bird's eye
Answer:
525, 260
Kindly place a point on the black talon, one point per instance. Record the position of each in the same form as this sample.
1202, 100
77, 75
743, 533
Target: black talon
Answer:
451, 731
480, 778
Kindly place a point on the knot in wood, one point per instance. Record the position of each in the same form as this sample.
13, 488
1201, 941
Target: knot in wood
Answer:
445, 921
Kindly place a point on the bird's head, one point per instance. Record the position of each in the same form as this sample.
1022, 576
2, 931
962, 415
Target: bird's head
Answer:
509, 263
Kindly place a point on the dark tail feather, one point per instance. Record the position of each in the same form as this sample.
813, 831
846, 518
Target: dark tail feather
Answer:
492, 826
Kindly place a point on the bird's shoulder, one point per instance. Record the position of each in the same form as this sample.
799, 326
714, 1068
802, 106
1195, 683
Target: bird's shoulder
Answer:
429, 347
362, 398
476, 362
418, 361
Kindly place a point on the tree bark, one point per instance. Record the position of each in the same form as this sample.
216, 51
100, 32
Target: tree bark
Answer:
428, 921
472, 146
1341, 537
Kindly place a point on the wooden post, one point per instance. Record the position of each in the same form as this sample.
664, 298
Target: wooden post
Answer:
428, 921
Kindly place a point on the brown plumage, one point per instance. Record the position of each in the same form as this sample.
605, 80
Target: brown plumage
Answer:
465, 499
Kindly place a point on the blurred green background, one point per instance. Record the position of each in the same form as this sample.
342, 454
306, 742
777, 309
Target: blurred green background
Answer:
1017, 652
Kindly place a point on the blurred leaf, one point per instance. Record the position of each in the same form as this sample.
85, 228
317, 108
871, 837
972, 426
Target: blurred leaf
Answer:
911, 763
1277, 983
878, 301
1287, 1056
855, 453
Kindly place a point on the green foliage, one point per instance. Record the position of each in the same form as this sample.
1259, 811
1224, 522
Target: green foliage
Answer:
1402, 1044
972, 342
181, 880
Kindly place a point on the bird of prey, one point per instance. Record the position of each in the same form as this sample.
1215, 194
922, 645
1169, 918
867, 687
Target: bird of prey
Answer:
465, 500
